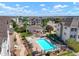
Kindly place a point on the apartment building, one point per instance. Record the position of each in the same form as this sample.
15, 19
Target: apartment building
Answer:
4, 24
71, 29
68, 28
35, 20
35, 24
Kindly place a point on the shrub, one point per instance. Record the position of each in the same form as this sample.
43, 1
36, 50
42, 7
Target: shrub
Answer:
74, 44
66, 53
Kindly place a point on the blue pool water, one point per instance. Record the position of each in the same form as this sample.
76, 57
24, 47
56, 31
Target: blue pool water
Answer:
45, 45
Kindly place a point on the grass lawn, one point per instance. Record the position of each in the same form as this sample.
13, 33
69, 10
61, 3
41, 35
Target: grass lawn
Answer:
66, 53
25, 34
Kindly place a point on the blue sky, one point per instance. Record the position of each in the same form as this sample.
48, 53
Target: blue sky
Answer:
39, 8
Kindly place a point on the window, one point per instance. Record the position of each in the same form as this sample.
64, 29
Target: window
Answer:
64, 33
7, 22
73, 29
65, 27
72, 36
78, 36
33, 23
57, 29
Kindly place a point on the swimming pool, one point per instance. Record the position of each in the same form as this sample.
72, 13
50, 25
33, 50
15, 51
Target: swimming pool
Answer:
45, 45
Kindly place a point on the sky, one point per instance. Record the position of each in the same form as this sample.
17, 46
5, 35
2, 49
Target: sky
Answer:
39, 8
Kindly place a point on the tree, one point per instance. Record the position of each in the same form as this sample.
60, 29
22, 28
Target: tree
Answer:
13, 23
73, 43
58, 20
44, 21
25, 23
24, 19
49, 28
15, 26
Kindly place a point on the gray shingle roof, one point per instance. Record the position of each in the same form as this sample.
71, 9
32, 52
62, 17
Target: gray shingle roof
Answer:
71, 22
67, 21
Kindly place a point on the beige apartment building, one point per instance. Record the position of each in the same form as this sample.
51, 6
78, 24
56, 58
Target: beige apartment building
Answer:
69, 28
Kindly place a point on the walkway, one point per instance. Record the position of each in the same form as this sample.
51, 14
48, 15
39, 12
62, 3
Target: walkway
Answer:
21, 47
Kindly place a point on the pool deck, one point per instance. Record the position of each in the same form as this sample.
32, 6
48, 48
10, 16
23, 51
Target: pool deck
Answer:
32, 40
36, 46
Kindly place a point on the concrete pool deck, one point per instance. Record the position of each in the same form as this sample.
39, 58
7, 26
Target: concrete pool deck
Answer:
32, 40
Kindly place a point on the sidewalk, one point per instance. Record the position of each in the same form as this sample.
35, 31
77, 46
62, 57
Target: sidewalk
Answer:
23, 51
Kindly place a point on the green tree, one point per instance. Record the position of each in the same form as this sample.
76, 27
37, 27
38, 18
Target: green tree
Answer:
25, 22
49, 28
44, 21
13, 23
73, 43
15, 26
58, 20
24, 19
